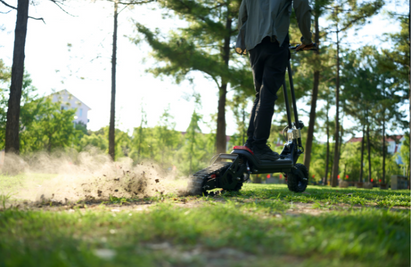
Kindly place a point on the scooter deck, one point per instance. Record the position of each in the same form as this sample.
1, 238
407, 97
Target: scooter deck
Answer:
260, 166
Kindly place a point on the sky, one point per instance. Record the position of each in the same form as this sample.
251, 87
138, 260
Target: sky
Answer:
73, 52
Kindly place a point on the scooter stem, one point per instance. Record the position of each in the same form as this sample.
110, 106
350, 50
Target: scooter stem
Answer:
295, 109
289, 114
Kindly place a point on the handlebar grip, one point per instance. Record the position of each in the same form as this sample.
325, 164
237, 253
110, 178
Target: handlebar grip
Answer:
306, 48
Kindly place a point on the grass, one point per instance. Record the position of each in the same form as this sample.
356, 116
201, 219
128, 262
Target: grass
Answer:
263, 225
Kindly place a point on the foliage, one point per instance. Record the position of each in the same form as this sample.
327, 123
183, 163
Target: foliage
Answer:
405, 151
166, 140
199, 47
139, 147
205, 45
5, 75
93, 140
43, 125
396, 61
197, 148
50, 127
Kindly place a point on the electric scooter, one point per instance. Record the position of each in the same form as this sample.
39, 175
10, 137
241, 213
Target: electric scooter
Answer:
230, 171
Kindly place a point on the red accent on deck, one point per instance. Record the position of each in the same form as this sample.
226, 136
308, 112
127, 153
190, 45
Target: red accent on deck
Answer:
244, 148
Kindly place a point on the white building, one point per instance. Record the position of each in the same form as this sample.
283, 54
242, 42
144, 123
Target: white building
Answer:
69, 101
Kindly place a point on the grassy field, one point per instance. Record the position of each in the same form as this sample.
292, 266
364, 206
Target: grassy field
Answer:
263, 225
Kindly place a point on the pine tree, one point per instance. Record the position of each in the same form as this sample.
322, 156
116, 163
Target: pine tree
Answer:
345, 15
205, 45
318, 10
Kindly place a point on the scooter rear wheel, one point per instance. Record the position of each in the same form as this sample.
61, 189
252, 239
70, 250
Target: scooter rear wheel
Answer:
237, 187
296, 181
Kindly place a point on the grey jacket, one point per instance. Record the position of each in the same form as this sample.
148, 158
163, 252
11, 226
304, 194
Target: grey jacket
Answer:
260, 18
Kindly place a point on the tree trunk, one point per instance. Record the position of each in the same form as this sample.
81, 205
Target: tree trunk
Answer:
362, 156
111, 131
312, 113
221, 140
410, 102
190, 160
335, 166
140, 142
345, 170
341, 126
369, 152
384, 148
327, 148
13, 111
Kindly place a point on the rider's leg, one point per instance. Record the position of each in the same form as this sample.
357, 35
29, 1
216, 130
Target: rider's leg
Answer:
268, 61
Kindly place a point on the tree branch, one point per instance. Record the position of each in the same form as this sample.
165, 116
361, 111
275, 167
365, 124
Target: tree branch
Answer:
61, 8
134, 2
4, 3
15, 8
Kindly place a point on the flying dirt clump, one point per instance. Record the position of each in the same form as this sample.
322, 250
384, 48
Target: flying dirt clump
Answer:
63, 177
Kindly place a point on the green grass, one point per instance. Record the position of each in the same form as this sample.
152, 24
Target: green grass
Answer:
263, 225
13, 183
328, 195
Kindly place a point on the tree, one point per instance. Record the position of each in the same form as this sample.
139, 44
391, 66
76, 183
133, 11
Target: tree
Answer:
29, 107
396, 60
371, 98
345, 15
329, 124
197, 148
318, 10
13, 111
139, 146
166, 139
51, 127
42, 123
5, 74
192, 142
238, 106
204, 46
111, 133
93, 140
405, 153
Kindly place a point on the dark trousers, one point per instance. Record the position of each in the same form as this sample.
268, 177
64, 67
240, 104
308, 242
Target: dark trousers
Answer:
268, 63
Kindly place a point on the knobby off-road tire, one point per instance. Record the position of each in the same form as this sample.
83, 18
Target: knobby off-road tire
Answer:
198, 180
295, 183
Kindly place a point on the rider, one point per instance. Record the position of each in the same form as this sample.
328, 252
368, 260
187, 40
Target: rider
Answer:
263, 32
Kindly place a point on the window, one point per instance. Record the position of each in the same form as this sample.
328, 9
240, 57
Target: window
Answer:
80, 112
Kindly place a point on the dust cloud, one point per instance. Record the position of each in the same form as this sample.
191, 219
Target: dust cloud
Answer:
92, 175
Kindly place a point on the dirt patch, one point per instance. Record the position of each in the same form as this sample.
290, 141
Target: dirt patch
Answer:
85, 176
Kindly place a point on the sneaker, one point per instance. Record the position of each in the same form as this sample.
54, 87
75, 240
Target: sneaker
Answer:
263, 152
249, 145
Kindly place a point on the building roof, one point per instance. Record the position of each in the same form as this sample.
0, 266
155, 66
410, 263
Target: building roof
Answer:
394, 138
76, 98
355, 139
391, 138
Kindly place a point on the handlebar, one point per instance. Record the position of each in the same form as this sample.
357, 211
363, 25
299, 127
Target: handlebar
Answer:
311, 46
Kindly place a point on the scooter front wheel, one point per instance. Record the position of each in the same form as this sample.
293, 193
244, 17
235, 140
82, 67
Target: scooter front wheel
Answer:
297, 180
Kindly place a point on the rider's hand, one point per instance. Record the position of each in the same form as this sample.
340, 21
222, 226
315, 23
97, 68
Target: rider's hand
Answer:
304, 47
